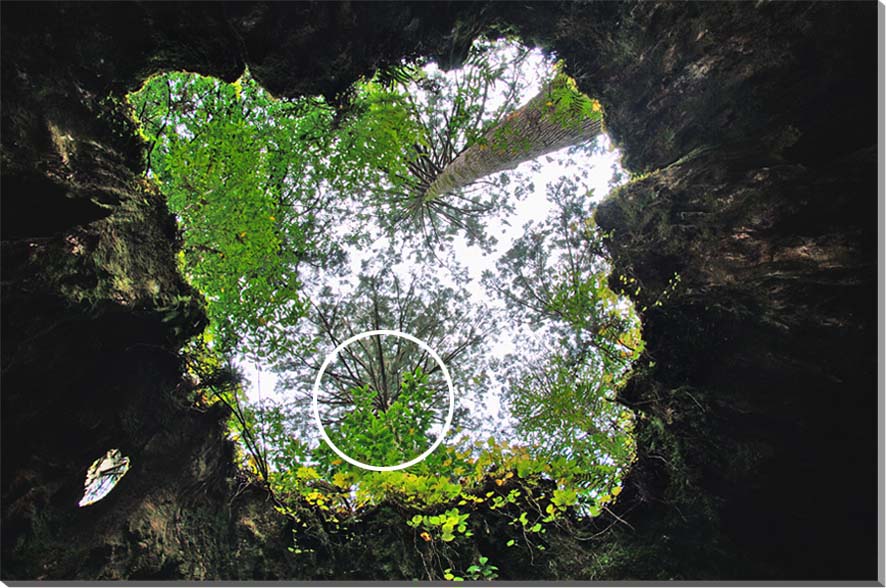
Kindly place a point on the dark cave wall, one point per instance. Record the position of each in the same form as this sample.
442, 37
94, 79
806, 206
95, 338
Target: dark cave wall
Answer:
755, 126
752, 124
93, 306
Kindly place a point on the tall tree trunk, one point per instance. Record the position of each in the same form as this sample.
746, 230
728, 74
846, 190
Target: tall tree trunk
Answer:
537, 128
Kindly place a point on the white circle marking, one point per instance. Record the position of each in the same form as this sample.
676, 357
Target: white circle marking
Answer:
316, 407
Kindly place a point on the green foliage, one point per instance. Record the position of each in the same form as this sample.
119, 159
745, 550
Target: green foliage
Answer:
261, 187
429, 117
233, 165
213, 379
570, 106
397, 433
568, 410
557, 272
445, 525
482, 570
439, 315
559, 101
257, 182
563, 396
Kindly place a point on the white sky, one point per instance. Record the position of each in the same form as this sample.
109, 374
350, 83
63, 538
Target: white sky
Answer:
506, 228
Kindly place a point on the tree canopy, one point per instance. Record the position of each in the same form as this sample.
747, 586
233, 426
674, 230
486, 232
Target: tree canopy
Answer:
440, 316
305, 224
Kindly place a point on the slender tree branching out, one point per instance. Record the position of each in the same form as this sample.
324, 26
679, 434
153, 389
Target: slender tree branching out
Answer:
558, 116
446, 181
438, 315
562, 396
277, 200
418, 124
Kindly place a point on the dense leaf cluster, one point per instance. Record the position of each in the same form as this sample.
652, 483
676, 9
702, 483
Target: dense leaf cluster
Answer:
278, 198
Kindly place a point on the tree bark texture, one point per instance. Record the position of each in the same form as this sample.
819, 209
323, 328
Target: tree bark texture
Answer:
529, 132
